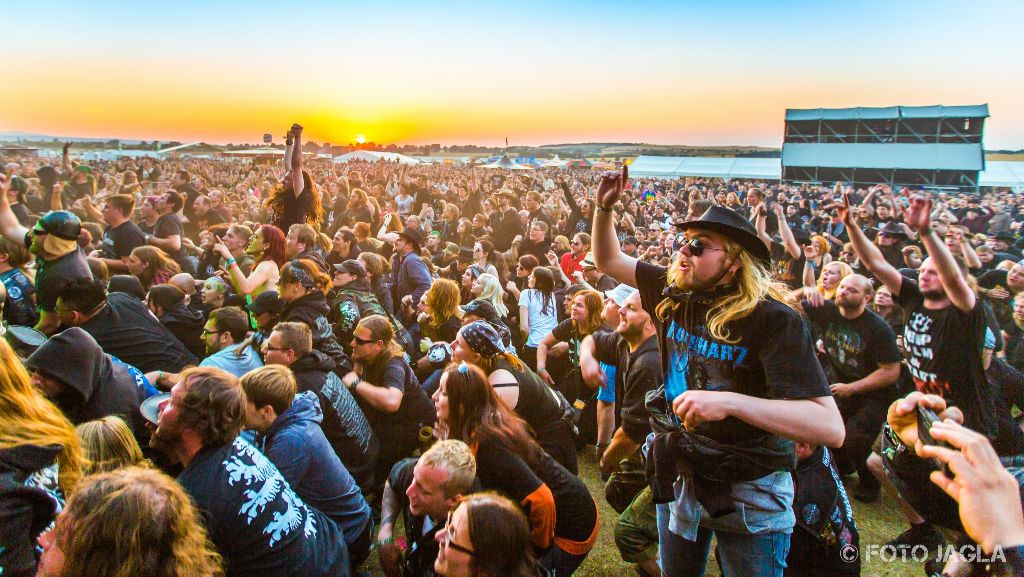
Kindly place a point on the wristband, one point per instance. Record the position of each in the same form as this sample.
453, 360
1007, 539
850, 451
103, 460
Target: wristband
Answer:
387, 541
148, 237
231, 262
351, 384
603, 208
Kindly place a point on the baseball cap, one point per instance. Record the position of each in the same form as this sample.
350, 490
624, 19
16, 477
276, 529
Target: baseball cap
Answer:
266, 302
481, 308
588, 261
352, 267
620, 293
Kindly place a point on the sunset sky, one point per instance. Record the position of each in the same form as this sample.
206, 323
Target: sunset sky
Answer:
476, 72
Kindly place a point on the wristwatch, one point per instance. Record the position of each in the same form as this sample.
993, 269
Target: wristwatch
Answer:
350, 383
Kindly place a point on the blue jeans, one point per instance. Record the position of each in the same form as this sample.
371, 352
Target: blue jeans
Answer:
739, 554
557, 562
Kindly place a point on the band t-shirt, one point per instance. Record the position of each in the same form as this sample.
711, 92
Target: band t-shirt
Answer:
857, 346
119, 242
169, 225
772, 356
944, 348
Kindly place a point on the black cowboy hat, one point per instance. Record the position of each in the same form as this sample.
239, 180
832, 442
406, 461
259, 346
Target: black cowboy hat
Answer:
892, 229
412, 235
732, 226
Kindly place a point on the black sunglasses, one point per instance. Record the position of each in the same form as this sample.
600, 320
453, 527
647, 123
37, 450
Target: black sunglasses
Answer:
697, 247
363, 341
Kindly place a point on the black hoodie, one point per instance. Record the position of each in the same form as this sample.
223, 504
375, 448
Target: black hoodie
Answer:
94, 386
26, 507
344, 423
187, 325
311, 310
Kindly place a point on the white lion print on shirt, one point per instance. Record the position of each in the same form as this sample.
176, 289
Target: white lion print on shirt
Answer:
264, 485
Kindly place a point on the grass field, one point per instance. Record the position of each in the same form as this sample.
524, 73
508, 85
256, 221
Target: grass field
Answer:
877, 522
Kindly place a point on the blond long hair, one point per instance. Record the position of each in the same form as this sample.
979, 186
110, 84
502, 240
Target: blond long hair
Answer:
754, 282
27, 418
442, 302
844, 271
108, 444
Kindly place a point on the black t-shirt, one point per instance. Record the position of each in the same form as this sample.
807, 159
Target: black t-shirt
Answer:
119, 242
167, 226
126, 329
53, 275
538, 404
254, 518
210, 218
773, 357
416, 408
788, 269
857, 346
944, 348
19, 305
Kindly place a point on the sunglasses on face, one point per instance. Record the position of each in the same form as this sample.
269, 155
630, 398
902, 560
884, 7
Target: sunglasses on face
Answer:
363, 341
697, 247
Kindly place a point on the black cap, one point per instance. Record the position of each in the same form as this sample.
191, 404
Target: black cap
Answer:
412, 235
480, 308
732, 226
267, 302
465, 254
60, 223
352, 267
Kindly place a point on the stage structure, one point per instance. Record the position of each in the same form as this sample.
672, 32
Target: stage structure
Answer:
931, 146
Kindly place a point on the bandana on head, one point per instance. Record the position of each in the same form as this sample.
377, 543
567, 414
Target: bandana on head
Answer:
483, 339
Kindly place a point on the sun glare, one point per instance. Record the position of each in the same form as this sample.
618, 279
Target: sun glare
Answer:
360, 139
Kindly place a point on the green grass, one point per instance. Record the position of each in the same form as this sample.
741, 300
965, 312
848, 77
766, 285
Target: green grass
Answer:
878, 523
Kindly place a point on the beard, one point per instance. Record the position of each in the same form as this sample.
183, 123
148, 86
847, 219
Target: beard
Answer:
935, 295
165, 440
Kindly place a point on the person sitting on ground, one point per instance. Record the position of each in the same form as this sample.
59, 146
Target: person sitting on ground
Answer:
108, 444
122, 235
167, 303
303, 288
301, 243
122, 326
258, 523
127, 284
133, 505
388, 391
266, 313
19, 300
288, 432
267, 246
352, 300
486, 522
73, 372
344, 424
226, 346
425, 491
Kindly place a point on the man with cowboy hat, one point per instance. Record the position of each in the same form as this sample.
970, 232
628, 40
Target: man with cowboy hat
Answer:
54, 241
412, 277
742, 384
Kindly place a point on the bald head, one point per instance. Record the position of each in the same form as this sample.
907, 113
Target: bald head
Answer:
185, 282
854, 293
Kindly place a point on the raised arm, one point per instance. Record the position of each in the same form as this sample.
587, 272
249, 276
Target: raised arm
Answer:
792, 247
296, 160
953, 281
761, 224
868, 253
605, 243
9, 225
66, 158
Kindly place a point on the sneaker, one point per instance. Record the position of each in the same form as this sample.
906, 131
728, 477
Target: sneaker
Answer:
923, 534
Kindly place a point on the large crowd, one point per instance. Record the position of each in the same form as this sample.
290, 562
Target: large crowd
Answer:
220, 366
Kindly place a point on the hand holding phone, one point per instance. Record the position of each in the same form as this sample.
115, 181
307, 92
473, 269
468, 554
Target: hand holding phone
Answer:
925, 419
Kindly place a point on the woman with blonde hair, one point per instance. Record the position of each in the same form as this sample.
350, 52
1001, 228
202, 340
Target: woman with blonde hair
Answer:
488, 287
108, 444
826, 285
132, 521
817, 251
440, 317
40, 464
152, 266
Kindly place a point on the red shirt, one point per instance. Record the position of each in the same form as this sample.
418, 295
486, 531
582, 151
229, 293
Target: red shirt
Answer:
571, 264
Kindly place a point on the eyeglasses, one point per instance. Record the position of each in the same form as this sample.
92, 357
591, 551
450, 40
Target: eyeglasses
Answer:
449, 538
206, 332
267, 347
363, 341
697, 247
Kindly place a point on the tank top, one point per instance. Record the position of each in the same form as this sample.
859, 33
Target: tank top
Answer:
538, 404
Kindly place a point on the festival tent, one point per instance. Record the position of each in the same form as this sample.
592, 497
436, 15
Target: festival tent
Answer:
578, 163
1001, 173
375, 156
507, 164
707, 167
555, 163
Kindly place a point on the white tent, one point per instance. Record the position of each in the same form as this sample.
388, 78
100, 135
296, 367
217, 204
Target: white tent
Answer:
507, 164
555, 163
708, 167
375, 156
1002, 173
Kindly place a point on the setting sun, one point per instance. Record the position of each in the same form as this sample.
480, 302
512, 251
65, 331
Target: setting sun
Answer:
360, 139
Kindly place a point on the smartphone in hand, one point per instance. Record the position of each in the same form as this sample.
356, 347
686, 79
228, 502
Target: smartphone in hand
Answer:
925, 419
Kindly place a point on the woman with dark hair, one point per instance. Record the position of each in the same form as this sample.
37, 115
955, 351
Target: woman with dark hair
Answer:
486, 522
152, 266
343, 247
485, 257
538, 312
295, 200
563, 515
388, 391
167, 303
131, 521
303, 287
543, 408
469, 277
127, 284
524, 268
267, 246
209, 259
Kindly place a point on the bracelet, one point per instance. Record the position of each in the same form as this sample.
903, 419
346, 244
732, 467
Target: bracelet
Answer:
387, 541
542, 369
603, 208
231, 262
159, 376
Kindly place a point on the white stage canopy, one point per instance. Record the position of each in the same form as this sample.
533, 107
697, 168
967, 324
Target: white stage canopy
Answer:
375, 156
1002, 173
707, 167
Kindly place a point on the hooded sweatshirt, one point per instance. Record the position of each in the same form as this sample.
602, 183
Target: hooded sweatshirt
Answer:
94, 385
344, 424
296, 444
29, 502
311, 310
186, 324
